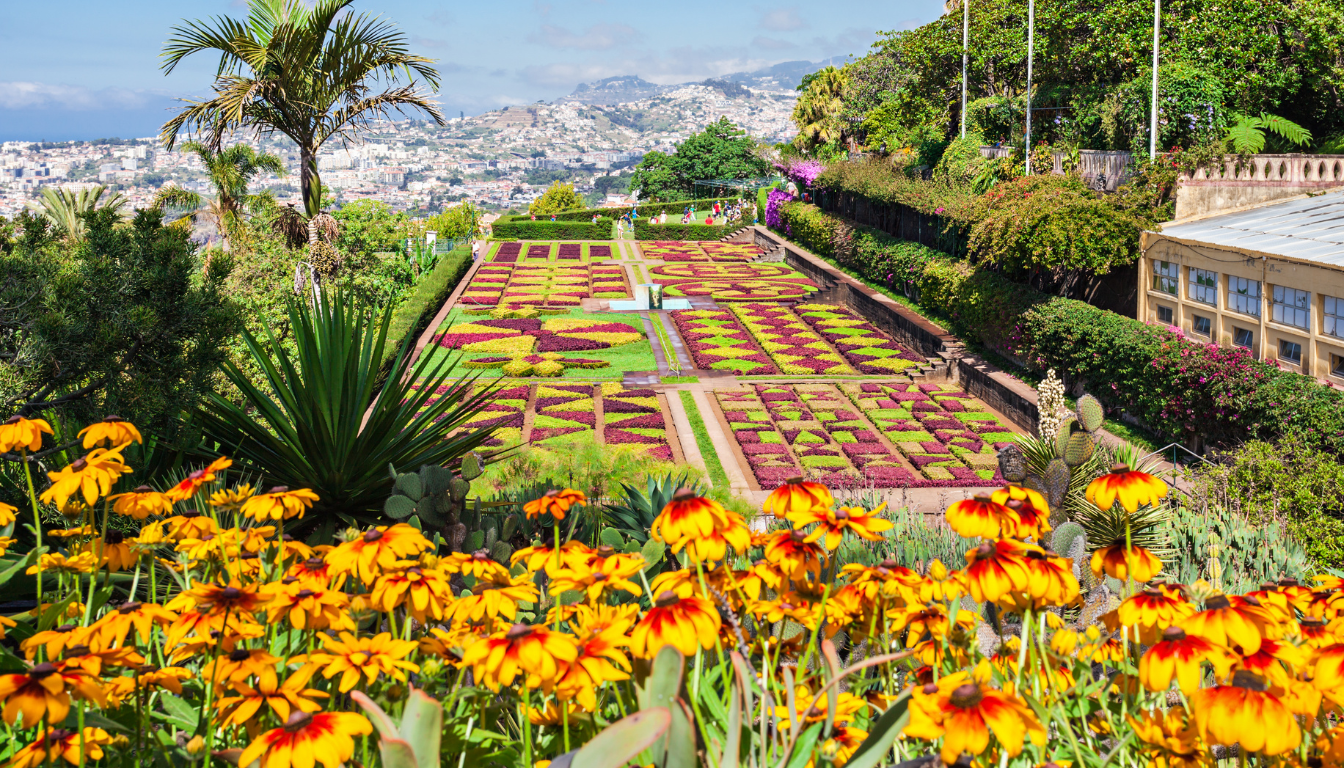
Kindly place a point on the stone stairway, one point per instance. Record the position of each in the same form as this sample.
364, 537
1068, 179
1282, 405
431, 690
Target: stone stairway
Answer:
734, 233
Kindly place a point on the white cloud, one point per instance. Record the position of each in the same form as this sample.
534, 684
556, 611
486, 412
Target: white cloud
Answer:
771, 44
34, 95
855, 40
781, 20
598, 37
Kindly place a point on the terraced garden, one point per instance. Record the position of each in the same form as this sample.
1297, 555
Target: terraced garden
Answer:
762, 376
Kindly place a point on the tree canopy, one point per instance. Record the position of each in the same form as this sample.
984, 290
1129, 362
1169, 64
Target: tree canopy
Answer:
721, 151
558, 197
1093, 69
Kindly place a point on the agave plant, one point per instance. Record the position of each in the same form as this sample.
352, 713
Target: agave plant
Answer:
327, 422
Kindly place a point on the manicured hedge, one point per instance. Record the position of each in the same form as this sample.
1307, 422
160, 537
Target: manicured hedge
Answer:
413, 315
524, 228
647, 231
1175, 386
674, 208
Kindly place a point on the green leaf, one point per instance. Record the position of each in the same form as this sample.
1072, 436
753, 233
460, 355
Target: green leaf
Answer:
664, 681
653, 552
680, 738
623, 740
179, 712
611, 538
399, 507
1247, 135
882, 734
802, 750
1285, 128
422, 727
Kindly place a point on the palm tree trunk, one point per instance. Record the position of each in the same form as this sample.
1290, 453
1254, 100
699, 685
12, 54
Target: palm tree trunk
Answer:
311, 183
312, 232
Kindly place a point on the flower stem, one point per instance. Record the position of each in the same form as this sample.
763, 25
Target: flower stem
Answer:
37, 526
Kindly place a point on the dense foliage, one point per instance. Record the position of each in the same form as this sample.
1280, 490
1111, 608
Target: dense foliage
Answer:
675, 230
524, 228
370, 226
721, 151
1092, 72
1176, 386
560, 196
124, 320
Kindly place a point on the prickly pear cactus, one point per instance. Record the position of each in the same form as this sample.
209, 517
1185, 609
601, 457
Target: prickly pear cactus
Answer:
1079, 448
1090, 413
1013, 463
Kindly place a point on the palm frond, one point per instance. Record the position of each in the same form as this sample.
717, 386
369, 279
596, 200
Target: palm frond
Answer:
1285, 129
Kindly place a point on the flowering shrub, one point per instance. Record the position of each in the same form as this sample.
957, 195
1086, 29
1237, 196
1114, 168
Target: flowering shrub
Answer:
273, 651
802, 172
773, 202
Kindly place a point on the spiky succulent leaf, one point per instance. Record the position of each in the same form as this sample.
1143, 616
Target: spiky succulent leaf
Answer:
1081, 447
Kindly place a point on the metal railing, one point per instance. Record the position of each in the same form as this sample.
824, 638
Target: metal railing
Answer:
1175, 448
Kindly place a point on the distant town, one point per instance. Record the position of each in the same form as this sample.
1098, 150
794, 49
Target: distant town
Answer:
499, 160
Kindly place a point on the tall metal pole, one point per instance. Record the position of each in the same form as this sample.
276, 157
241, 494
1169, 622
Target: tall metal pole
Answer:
1152, 126
965, 49
1031, 50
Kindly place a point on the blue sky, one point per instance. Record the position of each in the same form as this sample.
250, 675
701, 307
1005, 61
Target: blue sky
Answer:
80, 69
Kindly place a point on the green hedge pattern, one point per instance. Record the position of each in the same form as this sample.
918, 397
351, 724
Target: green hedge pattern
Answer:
524, 228
696, 232
1175, 386
673, 208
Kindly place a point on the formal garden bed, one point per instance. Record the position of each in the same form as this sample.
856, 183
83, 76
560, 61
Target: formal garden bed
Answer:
543, 285
570, 343
732, 282
718, 342
700, 251
539, 252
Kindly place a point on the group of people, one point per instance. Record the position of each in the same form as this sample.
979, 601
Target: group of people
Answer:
719, 212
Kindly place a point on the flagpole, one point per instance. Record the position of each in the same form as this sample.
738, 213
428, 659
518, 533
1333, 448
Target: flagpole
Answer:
1152, 126
965, 49
1031, 46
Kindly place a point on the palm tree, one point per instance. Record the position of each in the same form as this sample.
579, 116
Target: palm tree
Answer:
65, 209
302, 72
230, 171
817, 113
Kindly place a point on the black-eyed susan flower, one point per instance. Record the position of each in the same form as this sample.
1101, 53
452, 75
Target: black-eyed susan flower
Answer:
424, 591
997, 572
538, 556
221, 599
72, 746
82, 562
54, 640
787, 606
795, 496
1120, 563
114, 552
238, 664
1030, 510
1180, 656
112, 430
1153, 610
981, 517
1245, 713
20, 434
1172, 739
308, 605
535, 651
42, 694
92, 476
963, 711
1232, 621
230, 499
555, 503
478, 565
190, 525
279, 503
1131, 488
352, 657
305, 738
283, 699
734, 535
685, 623
599, 658
8, 514
687, 518
141, 503
1051, 581
941, 585
189, 485
494, 599
831, 525
794, 554
377, 550
603, 575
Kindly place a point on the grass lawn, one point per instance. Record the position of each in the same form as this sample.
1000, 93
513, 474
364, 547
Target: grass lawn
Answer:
717, 476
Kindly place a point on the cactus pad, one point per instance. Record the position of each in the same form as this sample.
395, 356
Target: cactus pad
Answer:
1066, 428
1091, 415
1079, 448
1013, 463
1056, 483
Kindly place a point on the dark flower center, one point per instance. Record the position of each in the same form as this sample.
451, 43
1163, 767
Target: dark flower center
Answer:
129, 607
279, 489
683, 494
481, 554
1173, 634
1119, 469
1249, 680
304, 594
144, 489
795, 480
518, 631
984, 550
841, 514
42, 670
297, 721
666, 598
231, 593
889, 564
966, 696
982, 498
79, 464
313, 563
372, 536
115, 537
112, 419
239, 654
930, 689
1217, 603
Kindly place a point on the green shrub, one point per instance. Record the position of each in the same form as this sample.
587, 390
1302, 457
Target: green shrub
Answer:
646, 231
413, 314
523, 228
674, 208
1285, 480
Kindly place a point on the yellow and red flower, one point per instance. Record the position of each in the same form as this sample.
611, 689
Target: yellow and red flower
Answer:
74, 747
20, 434
279, 503
1245, 713
141, 503
113, 430
535, 651
997, 572
1180, 655
350, 657
795, 496
963, 712
981, 517
1130, 487
324, 737
685, 623
187, 488
91, 476
377, 550
1118, 563
555, 503
1030, 510
832, 524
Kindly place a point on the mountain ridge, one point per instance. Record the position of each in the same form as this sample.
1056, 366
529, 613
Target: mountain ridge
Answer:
619, 89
